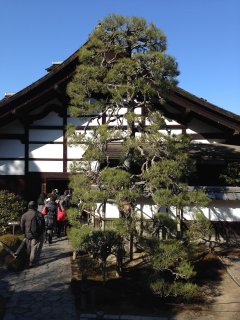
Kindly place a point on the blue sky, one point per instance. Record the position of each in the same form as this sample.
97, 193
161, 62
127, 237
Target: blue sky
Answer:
203, 36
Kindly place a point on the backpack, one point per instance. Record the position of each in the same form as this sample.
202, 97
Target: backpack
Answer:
65, 201
51, 207
49, 220
37, 225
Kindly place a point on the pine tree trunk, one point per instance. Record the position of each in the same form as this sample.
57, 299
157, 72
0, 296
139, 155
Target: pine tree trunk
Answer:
179, 229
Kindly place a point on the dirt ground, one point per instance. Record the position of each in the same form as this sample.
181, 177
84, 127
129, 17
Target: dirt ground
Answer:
222, 297
224, 306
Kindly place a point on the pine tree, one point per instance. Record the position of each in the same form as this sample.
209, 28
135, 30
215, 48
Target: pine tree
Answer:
121, 83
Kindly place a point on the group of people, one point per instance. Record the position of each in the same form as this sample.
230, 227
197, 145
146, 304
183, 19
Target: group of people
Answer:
50, 212
53, 206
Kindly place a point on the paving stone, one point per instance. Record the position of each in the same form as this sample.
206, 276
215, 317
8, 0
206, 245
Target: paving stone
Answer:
31, 288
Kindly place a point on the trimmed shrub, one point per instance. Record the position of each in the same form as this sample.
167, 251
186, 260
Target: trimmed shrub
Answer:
11, 208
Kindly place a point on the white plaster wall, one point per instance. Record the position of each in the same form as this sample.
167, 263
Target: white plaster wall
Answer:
13, 127
83, 165
147, 122
138, 110
171, 122
146, 210
112, 210
12, 167
45, 166
190, 131
46, 135
217, 140
137, 135
167, 121
46, 151
121, 111
200, 141
87, 134
75, 152
51, 119
225, 210
217, 211
115, 122
84, 121
11, 149
173, 131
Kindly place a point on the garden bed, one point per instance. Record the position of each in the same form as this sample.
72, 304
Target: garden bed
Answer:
126, 294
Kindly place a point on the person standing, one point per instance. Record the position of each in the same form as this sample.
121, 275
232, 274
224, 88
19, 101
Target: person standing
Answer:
65, 199
41, 201
61, 216
51, 206
34, 240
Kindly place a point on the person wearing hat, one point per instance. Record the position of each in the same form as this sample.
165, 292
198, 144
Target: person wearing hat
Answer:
34, 240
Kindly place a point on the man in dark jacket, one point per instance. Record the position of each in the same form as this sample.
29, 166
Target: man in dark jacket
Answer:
34, 243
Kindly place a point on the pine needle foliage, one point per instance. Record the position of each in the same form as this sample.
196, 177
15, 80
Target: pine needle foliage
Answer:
172, 272
120, 87
231, 175
123, 67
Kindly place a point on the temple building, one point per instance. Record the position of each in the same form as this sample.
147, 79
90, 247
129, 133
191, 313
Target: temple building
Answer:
35, 156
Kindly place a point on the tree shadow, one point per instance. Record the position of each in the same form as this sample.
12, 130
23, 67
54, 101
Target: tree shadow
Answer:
6, 290
127, 294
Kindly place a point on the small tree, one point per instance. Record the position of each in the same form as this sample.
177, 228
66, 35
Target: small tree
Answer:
11, 208
200, 228
101, 244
